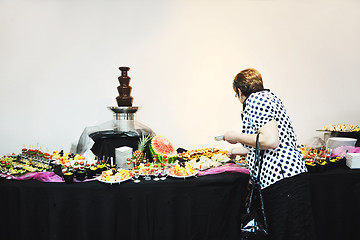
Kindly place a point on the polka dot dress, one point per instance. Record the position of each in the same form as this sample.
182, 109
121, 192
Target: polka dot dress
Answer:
284, 161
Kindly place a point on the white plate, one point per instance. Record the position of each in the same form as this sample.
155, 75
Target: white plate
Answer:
112, 182
192, 175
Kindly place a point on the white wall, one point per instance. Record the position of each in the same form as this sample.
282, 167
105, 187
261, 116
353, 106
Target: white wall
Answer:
59, 65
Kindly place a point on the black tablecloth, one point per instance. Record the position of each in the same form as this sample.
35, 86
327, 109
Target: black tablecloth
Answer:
336, 203
206, 207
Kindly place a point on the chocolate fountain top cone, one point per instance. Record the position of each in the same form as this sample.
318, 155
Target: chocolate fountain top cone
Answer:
124, 90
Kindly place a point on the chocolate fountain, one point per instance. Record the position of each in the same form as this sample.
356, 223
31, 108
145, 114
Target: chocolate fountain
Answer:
123, 130
124, 113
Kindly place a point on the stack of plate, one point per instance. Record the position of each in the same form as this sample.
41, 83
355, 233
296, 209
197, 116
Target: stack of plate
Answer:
353, 160
335, 142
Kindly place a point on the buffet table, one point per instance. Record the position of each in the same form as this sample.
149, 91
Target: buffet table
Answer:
336, 203
204, 207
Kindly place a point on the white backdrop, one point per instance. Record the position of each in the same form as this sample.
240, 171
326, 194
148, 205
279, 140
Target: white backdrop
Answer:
59, 65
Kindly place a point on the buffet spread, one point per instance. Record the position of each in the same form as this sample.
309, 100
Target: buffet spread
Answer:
151, 157
164, 161
69, 167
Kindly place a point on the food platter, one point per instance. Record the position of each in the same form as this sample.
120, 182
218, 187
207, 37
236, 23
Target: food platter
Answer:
114, 176
112, 182
185, 176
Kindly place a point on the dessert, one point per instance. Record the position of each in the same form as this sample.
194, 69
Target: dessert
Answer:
68, 177
341, 128
146, 168
241, 160
113, 175
197, 153
182, 171
204, 162
62, 157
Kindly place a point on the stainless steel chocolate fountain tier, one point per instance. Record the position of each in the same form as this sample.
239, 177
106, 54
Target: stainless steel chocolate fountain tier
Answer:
124, 118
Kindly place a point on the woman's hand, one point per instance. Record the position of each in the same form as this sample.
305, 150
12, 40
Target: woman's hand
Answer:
241, 151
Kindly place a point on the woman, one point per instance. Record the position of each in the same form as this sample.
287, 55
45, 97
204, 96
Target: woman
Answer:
282, 178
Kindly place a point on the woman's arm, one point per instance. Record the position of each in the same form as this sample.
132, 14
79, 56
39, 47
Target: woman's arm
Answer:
268, 139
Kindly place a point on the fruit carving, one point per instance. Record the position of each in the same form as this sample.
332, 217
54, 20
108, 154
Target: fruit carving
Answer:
162, 148
139, 153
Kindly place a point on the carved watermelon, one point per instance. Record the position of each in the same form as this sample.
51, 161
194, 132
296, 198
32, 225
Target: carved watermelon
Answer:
161, 146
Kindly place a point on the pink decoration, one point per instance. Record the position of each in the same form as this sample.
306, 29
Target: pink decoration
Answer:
229, 167
340, 151
52, 177
40, 176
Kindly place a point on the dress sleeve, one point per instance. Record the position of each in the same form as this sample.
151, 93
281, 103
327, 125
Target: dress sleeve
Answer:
259, 110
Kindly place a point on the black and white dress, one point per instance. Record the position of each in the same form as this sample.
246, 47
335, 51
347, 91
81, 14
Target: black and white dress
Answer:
285, 188
284, 161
